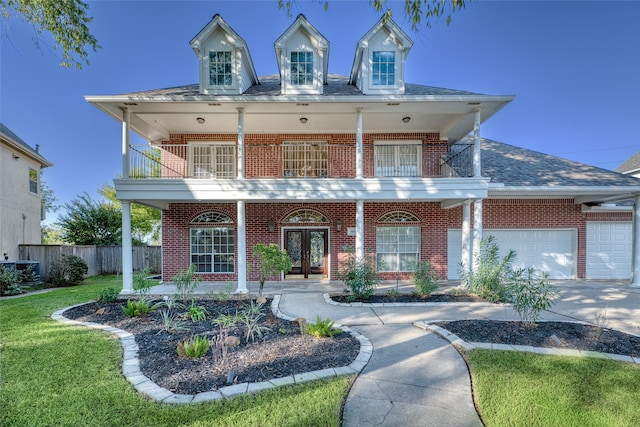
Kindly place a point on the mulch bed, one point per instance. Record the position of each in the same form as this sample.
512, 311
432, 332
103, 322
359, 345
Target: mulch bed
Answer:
280, 352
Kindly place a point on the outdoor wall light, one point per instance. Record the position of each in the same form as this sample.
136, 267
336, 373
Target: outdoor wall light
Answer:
200, 120
303, 120
406, 119
338, 224
272, 225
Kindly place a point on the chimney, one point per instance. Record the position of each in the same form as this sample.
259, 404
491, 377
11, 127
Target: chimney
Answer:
38, 148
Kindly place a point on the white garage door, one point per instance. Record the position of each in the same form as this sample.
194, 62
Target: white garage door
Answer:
609, 248
550, 250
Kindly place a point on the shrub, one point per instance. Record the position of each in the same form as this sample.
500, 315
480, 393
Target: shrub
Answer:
425, 279
138, 308
109, 295
250, 316
531, 292
186, 281
491, 276
141, 282
172, 324
9, 283
271, 260
360, 277
196, 312
322, 328
70, 270
194, 347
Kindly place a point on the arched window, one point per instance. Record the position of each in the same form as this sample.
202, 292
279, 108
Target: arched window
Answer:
397, 242
213, 243
305, 216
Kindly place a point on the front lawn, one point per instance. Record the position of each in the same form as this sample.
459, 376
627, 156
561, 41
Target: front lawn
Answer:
525, 389
55, 374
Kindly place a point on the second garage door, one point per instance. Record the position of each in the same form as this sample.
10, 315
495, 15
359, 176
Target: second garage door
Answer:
550, 250
609, 249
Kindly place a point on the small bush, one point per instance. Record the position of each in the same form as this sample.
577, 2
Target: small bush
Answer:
250, 317
196, 312
425, 279
360, 277
109, 295
322, 328
141, 282
491, 275
171, 323
70, 270
531, 292
186, 281
15, 282
138, 308
194, 347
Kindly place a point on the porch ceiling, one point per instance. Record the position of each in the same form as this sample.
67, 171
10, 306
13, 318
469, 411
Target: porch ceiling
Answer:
154, 119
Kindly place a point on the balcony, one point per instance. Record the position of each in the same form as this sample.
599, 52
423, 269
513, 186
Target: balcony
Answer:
309, 160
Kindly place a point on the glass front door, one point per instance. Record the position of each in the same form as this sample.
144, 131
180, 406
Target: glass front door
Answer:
308, 251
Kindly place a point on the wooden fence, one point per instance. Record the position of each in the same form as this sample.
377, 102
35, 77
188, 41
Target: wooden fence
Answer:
99, 259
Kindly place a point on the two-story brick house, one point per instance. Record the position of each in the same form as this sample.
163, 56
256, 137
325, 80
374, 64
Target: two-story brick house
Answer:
318, 163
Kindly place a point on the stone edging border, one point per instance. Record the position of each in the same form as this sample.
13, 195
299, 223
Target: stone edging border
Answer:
133, 374
460, 343
328, 300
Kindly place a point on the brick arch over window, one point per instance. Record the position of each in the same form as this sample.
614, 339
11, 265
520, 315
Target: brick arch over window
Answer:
398, 217
306, 216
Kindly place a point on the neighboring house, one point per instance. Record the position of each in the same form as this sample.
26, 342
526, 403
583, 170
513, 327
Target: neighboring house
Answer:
631, 166
20, 198
319, 163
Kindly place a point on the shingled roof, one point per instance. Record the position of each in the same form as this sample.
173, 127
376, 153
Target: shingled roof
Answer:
516, 166
630, 165
337, 85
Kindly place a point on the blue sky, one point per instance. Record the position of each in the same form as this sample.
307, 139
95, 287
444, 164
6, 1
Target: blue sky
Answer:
574, 68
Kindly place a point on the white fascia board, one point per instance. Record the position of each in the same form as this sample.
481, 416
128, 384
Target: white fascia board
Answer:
605, 209
578, 193
280, 190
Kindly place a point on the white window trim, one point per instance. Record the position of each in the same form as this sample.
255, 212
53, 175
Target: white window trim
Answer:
234, 78
403, 143
306, 143
397, 253
37, 181
191, 162
397, 69
212, 226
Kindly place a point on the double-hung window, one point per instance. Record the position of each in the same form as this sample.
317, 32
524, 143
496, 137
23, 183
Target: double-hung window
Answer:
33, 181
398, 158
302, 68
220, 69
383, 71
213, 243
213, 160
304, 159
397, 243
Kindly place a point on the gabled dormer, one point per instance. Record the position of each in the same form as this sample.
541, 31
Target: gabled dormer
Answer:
226, 67
303, 58
378, 66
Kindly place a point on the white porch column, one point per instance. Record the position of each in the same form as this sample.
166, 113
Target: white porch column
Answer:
466, 237
635, 273
359, 155
477, 163
477, 230
240, 166
242, 250
126, 161
127, 248
359, 230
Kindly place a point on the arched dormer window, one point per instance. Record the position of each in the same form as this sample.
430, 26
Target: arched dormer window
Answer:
305, 216
212, 243
397, 242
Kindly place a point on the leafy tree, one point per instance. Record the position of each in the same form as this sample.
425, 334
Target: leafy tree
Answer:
65, 20
145, 221
415, 10
88, 222
272, 260
52, 234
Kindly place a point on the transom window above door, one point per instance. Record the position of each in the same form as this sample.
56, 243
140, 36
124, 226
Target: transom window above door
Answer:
398, 158
304, 159
212, 160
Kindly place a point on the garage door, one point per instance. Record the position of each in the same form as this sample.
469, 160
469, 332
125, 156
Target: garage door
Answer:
609, 248
548, 250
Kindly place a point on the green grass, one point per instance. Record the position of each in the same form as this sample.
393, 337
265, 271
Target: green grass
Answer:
524, 389
56, 374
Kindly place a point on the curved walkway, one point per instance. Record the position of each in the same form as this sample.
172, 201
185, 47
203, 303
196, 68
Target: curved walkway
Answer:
410, 375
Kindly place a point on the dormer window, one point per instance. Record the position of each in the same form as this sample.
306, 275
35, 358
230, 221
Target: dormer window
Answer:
302, 68
383, 68
220, 69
